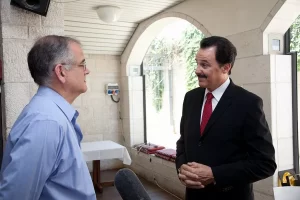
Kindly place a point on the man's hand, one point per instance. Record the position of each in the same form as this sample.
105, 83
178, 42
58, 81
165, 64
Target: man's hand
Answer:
198, 172
189, 179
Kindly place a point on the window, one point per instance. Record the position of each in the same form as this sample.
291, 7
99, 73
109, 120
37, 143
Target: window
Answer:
168, 69
292, 45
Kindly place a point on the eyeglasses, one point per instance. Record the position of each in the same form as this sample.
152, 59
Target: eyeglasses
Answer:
79, 65
82, 65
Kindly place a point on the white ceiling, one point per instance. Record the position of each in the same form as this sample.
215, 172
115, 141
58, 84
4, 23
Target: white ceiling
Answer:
81, 21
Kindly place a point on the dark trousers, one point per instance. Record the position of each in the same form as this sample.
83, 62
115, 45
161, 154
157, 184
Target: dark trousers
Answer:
244, 192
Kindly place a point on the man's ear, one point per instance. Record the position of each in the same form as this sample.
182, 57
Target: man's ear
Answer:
60, 73
226, 68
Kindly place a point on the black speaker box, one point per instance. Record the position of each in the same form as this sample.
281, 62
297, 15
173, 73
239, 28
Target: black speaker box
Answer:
36, 6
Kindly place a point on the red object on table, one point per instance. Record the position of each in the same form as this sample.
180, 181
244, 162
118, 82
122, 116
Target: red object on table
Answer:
149, 148
167, 154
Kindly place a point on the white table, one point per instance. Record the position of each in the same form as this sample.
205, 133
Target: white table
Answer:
287, 193
103, 150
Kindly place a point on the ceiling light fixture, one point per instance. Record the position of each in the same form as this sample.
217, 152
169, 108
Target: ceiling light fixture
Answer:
109, 14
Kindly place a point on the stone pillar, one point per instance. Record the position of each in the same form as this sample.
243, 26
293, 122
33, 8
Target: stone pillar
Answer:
19, 30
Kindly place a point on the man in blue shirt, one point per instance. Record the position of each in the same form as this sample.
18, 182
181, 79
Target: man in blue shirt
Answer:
42, 158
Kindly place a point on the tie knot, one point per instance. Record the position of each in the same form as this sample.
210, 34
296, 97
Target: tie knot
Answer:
209, 96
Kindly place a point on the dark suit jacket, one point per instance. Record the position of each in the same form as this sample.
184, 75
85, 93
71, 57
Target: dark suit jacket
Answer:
236, 143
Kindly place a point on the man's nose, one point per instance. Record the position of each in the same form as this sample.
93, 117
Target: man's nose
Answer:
87, 71
198, 69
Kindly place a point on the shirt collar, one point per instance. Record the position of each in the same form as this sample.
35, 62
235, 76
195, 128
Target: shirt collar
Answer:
217, 93
65, 106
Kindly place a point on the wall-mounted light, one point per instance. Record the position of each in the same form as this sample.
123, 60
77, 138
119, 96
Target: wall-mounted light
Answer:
109, 14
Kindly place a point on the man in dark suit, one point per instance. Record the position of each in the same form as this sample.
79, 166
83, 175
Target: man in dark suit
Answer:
225, 143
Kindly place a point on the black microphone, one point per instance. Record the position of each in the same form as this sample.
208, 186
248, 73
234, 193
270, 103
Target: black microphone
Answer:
129, 186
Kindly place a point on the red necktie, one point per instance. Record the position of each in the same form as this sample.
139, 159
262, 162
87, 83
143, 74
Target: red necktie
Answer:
206, 111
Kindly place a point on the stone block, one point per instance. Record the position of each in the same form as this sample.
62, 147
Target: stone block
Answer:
37, 32
137, 138
156, 161
248, 43
96, 56
282, 68
138, 126
92, 138
93, 99
169, 164
77, 103
15, 65
284, 126
125, 83
126, 109
115, 137
252, 70
137, 101
143, 160
33, 87
137, 83
91, 64
113, 110
96, 85
55, 15
114, 127
285, 153
14, 32
165, 171
86, 113
114, 66
16, 98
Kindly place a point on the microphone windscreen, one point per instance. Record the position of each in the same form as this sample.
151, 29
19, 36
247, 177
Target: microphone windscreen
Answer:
129, 186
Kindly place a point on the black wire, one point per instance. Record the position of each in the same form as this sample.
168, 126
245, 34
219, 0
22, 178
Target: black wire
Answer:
114, 100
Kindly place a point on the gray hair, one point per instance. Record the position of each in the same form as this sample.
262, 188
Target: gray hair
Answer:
46, 53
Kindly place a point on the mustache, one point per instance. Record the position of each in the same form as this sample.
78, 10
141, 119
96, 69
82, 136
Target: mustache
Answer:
201, 75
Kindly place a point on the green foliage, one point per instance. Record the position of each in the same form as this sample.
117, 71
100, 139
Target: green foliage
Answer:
295, 39
165, 53
161, 53
190, 43
157, 85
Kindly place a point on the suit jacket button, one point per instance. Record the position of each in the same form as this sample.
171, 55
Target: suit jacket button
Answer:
200, 144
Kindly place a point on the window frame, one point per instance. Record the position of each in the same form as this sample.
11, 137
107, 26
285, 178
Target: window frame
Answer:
144, 101
287, 51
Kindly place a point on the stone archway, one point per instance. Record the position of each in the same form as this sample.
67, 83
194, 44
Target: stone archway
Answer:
132, 96
131, 86
143, 36
279, 20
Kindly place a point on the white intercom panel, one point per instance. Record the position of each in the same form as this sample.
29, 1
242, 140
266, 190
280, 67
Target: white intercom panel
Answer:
112, 89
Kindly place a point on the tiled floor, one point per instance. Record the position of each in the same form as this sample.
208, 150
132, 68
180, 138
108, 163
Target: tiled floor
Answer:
155, 193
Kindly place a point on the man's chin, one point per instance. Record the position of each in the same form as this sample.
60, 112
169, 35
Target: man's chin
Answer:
84, 89
202, 84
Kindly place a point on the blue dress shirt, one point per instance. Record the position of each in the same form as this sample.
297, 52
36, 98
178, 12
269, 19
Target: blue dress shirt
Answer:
42, 158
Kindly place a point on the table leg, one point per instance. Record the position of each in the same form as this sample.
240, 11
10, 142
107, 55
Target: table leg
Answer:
96, 176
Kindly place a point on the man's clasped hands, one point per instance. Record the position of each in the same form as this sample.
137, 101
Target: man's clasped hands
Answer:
195, 175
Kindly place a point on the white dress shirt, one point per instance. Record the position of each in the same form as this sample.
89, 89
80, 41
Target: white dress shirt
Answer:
217, 93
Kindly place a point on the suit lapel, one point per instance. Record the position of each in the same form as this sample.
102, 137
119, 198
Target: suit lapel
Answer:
221, 107
197, 112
